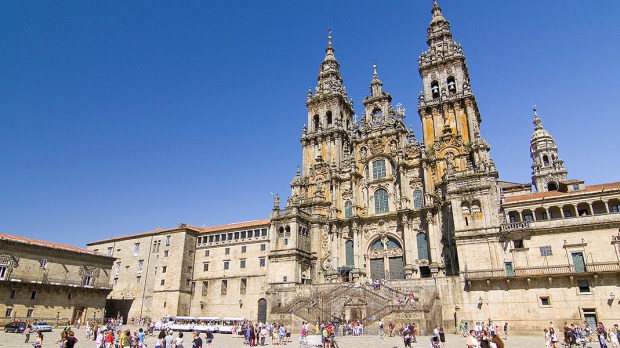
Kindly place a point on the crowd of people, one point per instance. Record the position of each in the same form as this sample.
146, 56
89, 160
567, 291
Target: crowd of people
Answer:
575, 334
483, 334
255, 334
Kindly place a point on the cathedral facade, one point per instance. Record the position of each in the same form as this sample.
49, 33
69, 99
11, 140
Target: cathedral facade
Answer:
426, 217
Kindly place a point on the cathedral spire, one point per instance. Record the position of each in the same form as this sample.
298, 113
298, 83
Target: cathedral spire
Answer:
329, 79
547, 168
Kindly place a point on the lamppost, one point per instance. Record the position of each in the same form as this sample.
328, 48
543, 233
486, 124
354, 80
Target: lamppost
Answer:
57, 318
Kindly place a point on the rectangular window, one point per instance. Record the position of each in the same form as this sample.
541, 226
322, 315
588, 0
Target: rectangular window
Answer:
243, 286
70, 296
192, 286
138, 279
243, 234
43, 263
226, 251
223, 237
136, 249
615, 208
199, 240
140, 265
168, 240
236, 235
263, 232
188, 282
207, 252
512, 219
86, 279
13, 294
217, 238
250, 234
230, 236
224, 288
583, 285
544, 301
9, 312
115, 281
163, 281
211, 239
154, 246
110, 250
190, 269
29, 313
2, 272
545, 250
164, 269
261, 261
284, 279
378, 169
205, 267
166, 253
226, 264
205, 287
509, 270
155, 270
517, 243
33, 295
243, 248
263, 247
117, 268
242, 263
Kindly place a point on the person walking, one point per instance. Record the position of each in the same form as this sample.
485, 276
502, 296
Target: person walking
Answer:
197, 342
27, 332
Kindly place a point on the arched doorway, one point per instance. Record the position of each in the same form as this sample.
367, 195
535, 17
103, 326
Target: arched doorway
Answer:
262, 311
386, 259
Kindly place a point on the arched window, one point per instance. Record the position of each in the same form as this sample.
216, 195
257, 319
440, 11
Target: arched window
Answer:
545, 160
381, 201
475, 207
435, 89
348, 247
348, 209
451, 84
262, 310
316, 123
378, 169
418, 199
329, 117
422, 246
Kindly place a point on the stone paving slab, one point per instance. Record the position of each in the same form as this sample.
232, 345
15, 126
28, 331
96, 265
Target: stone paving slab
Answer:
11, 340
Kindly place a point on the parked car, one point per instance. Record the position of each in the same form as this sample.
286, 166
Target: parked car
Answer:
16, 327
41, 326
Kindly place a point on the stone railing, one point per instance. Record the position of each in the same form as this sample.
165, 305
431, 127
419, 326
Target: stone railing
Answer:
594, 267
513, 226
57, 282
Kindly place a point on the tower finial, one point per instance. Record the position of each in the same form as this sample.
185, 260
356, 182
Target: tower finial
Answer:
537, 121
329, 36
374, 69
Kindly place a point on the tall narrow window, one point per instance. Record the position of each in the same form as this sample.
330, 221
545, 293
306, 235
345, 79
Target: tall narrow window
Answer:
451, 84
348, 209
243, 286
348, 246
262, 262
136, 249
140, 265
422, 246
316, 123
224, 289
381, 201
205, 287
418, 199
378, 169
168, 240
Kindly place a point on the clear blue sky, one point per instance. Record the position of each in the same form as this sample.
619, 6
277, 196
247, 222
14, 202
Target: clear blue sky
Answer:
120, 116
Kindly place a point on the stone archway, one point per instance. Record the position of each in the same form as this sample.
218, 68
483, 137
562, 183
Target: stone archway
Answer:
262, 311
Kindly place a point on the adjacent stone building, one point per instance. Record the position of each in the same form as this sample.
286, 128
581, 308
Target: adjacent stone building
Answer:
47, 281
428, 218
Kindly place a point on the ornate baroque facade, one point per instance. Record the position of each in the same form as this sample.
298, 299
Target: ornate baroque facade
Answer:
428, 216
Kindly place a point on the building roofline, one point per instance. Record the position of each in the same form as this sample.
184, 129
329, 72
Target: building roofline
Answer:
557, 194
51, 245
207, 229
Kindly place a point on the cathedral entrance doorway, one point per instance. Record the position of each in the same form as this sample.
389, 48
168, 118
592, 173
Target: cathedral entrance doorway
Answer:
262, 311
386, 259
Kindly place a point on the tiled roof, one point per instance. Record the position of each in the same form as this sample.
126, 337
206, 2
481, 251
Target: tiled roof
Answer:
225, 227
539, 195
52, 245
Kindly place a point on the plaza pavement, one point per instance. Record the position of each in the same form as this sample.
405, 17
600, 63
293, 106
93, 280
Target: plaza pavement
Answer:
11, 340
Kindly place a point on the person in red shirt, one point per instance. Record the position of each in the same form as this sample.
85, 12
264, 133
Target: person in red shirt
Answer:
109, 339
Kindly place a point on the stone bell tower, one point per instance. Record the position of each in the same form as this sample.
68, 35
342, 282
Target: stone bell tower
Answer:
460, 174
548, 169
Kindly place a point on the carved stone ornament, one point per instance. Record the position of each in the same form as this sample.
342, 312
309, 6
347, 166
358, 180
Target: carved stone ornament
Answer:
10, 262
376, 146
89, 271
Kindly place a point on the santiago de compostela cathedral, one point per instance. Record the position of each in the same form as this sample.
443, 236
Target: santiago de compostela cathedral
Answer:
372, 203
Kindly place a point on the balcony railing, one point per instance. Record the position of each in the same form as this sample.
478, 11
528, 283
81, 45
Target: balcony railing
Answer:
26, 279
513, 226
595, 267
